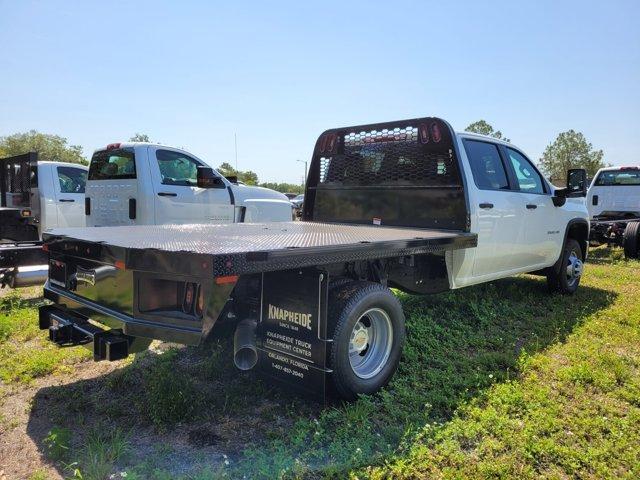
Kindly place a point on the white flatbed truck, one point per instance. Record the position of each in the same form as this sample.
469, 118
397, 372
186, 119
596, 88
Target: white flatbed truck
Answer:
408, 204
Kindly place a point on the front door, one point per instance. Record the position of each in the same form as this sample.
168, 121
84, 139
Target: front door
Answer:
178, 198
540, 237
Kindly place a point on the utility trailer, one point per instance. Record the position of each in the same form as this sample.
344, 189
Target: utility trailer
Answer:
386, 205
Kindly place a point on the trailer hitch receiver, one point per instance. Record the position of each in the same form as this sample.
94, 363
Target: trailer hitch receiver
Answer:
68, 329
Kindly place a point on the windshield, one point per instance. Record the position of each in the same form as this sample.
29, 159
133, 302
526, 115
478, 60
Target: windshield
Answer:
113, 165
618, 177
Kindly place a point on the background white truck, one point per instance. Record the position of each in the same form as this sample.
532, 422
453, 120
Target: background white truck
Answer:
614, 208
151, 184
128, 184
407, 204
35, 196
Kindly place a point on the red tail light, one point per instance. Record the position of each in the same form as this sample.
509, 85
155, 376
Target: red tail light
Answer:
331, 142
113, 146
323, 143
189, 296
199, 302
436, 134
424, 133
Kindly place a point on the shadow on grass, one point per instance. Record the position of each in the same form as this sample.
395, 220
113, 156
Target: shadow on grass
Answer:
187, 407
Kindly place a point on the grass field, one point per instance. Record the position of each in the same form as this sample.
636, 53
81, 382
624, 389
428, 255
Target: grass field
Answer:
499, 380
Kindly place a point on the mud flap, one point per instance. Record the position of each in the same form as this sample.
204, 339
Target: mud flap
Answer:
292, 331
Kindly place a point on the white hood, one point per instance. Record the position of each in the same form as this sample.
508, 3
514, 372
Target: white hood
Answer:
246, 192
262, 204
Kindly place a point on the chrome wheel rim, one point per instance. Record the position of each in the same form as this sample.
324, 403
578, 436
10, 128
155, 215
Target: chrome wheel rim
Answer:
370, 343
574, 268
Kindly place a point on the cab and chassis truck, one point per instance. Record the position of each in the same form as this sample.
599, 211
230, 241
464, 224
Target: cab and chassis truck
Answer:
35, 196
613, 201
409, 205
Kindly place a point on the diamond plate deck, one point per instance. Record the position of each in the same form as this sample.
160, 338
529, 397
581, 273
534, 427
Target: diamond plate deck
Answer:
256, 247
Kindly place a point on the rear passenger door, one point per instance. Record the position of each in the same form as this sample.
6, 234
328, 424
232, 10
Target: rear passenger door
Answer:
497, 216
69, 186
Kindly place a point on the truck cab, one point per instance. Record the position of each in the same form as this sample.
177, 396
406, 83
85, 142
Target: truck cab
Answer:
521, 219
149, 184
615, 193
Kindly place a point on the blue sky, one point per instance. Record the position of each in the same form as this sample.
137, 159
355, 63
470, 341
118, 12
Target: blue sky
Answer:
191, 74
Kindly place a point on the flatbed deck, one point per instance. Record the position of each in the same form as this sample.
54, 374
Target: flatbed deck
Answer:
251, 247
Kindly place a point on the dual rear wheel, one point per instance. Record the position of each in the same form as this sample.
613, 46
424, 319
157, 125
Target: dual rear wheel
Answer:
631, 240
368, 333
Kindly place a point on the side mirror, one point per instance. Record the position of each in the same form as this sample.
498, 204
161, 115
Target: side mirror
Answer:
577, 182
206, 178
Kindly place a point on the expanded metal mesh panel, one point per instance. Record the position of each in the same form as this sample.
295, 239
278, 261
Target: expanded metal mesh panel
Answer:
244, 237
388, 157
19, 176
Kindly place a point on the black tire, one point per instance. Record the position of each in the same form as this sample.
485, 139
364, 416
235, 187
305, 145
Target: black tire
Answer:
631, 240
558, 278
348, 304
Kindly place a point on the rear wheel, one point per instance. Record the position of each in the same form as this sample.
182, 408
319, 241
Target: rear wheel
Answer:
564, 276
367, 326
631, 240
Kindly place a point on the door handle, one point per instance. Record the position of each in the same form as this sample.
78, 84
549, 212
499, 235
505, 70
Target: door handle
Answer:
67, 200
167, 194
486, 206
531, 206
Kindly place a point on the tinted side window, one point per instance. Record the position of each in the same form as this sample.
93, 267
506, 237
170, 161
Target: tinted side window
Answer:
529, 179
72, 180
486, 165
112, 165
177, 168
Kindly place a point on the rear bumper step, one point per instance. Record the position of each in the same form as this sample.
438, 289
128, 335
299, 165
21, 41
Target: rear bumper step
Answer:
69, 329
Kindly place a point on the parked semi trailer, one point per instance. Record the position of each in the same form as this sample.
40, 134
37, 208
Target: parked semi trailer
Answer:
409, 205
613, 201
35, 196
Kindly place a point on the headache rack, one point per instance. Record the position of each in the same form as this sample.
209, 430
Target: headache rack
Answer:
404, 173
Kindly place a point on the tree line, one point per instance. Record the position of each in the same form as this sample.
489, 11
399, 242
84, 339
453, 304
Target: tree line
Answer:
570, 149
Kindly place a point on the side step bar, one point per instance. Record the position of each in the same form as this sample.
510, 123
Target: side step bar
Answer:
67, 329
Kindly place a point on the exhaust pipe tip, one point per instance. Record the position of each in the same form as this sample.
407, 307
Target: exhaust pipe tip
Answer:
245, 353
28, 276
